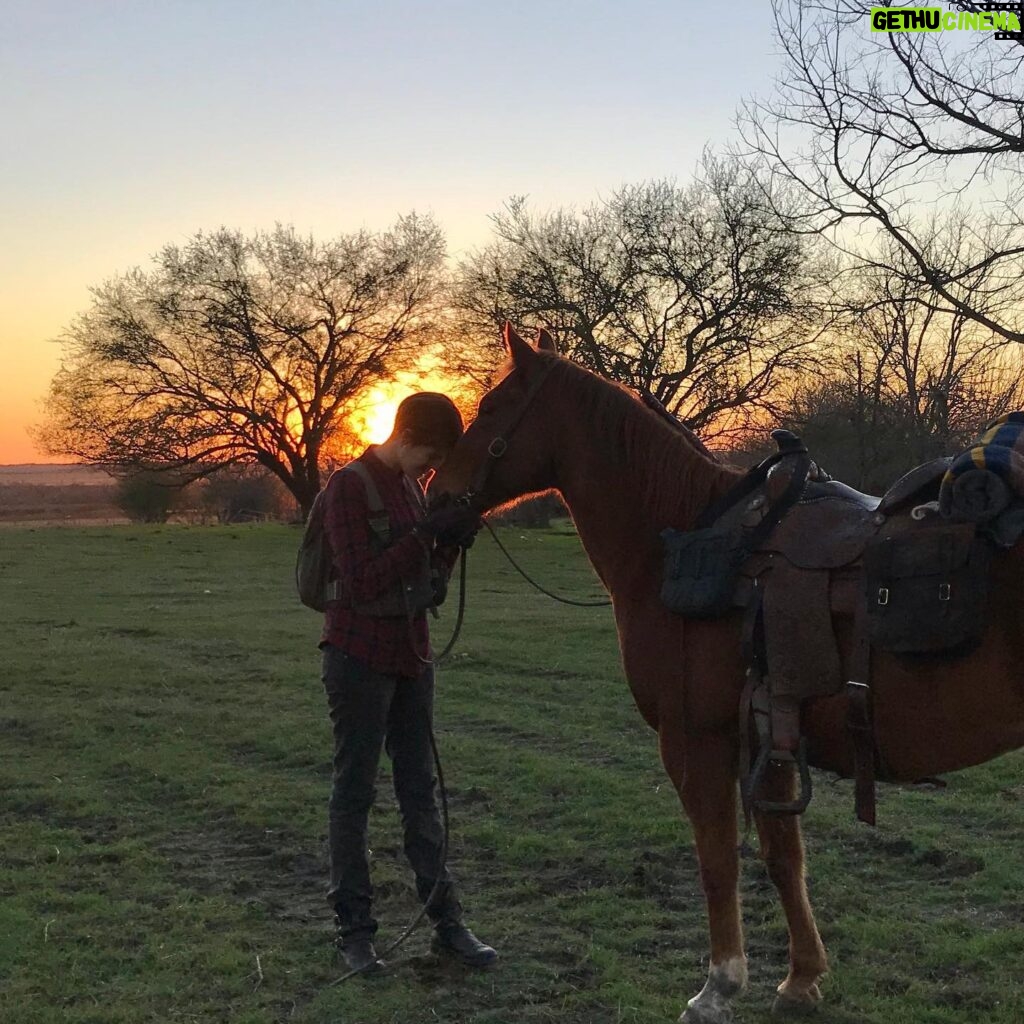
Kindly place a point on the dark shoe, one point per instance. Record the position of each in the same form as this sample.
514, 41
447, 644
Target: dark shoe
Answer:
459, 942
359, 955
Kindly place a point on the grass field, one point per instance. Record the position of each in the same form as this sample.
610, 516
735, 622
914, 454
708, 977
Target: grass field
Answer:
164, 770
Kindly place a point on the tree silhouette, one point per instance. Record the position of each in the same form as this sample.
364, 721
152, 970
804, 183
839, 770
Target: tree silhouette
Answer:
238, 349
695, 294
879, 131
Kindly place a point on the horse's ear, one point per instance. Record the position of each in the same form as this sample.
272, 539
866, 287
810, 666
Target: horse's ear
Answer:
520, 351
545, 343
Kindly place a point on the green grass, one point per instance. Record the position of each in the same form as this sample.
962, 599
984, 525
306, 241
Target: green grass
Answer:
164, 770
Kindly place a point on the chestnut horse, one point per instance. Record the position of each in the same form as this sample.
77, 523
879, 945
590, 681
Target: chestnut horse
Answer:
625, 475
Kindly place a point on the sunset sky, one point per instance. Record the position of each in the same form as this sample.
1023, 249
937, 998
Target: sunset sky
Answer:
128, 124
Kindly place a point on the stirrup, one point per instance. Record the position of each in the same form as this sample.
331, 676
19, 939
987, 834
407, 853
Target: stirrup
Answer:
756, 777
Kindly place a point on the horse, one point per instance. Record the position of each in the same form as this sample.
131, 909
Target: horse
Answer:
626, 474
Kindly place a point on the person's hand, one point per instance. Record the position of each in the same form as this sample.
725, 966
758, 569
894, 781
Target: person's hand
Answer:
450, 525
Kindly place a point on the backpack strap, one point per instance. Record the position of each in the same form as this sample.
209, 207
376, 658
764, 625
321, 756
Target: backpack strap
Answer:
380, 522
415, 493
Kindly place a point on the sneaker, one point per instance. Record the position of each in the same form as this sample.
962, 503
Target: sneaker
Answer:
458, 942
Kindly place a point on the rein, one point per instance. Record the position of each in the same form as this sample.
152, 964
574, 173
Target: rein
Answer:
534, 583
497, 448
436, 661
442, 860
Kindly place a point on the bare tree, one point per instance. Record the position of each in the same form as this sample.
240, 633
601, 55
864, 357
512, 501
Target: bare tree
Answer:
237, 349
696, 295
881, 130
909, 382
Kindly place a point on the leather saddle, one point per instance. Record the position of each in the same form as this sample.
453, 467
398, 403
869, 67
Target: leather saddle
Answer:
804, 577
810, 559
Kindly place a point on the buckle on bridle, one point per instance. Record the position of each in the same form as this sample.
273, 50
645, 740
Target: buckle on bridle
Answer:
497, 448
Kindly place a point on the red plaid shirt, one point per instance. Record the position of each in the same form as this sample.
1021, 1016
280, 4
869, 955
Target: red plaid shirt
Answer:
384, 643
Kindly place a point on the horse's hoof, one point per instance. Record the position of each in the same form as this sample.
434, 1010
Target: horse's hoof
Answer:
788, 1006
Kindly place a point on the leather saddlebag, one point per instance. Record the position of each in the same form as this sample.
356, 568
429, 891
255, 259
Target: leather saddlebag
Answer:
701, 570
927, 589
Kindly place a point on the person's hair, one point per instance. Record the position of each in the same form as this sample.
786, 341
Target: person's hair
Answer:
430, 419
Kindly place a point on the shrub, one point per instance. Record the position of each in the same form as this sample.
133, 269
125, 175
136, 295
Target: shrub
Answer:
244, 493
147, 496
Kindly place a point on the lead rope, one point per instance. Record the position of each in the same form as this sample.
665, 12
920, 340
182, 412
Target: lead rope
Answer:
436, 662
443, 859
534, 583
417, 920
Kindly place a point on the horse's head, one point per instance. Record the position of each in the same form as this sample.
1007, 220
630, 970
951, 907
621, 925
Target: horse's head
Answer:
506, 451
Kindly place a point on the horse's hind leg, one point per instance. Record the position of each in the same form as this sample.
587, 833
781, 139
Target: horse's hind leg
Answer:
783, 851
707, 788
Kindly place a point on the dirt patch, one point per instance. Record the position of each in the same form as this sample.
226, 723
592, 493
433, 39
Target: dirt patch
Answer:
137, 632
925, 860
264, 868
21, 729
663, 876
949, 863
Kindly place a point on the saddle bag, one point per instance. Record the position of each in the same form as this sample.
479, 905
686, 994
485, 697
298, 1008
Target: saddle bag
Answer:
702, 569
702, 566
927, 589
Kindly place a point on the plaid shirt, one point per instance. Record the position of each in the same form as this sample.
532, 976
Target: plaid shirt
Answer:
384, 643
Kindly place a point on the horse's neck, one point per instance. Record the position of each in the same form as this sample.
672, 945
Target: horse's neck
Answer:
621, 509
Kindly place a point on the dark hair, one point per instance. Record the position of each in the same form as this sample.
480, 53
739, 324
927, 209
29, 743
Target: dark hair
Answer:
430, 418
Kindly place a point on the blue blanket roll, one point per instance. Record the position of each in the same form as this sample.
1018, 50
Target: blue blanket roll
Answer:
983, 480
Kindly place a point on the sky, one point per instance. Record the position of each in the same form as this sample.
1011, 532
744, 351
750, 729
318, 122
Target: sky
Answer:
130, 124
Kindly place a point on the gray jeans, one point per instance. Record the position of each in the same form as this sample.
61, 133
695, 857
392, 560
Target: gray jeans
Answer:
371, 711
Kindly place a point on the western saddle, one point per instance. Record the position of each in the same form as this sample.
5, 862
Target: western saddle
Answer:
813, 561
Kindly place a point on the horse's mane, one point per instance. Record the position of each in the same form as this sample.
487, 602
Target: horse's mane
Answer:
673, 470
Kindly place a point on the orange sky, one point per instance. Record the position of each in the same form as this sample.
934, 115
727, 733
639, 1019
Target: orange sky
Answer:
33, 314
28, 362
125, 128
377, 416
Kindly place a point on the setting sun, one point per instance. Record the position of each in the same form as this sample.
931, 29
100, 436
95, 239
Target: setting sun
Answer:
373, 418
373, 422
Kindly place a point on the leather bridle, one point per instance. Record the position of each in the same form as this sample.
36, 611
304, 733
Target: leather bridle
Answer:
499, 443
495, 450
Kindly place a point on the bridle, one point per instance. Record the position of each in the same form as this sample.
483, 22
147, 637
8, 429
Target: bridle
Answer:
499, 443
495, 450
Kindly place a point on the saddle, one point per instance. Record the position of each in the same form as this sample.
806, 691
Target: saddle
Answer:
809, 559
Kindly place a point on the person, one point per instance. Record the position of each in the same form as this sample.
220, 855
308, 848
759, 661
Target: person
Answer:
380, 690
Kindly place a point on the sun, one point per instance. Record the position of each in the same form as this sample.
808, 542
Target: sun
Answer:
374, 415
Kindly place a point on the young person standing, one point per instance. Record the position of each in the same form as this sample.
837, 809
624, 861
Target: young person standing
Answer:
380, 691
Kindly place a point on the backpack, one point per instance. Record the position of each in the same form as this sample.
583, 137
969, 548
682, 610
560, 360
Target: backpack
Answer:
315, 578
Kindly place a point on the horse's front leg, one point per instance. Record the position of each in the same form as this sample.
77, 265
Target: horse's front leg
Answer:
782, 849
706, 781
